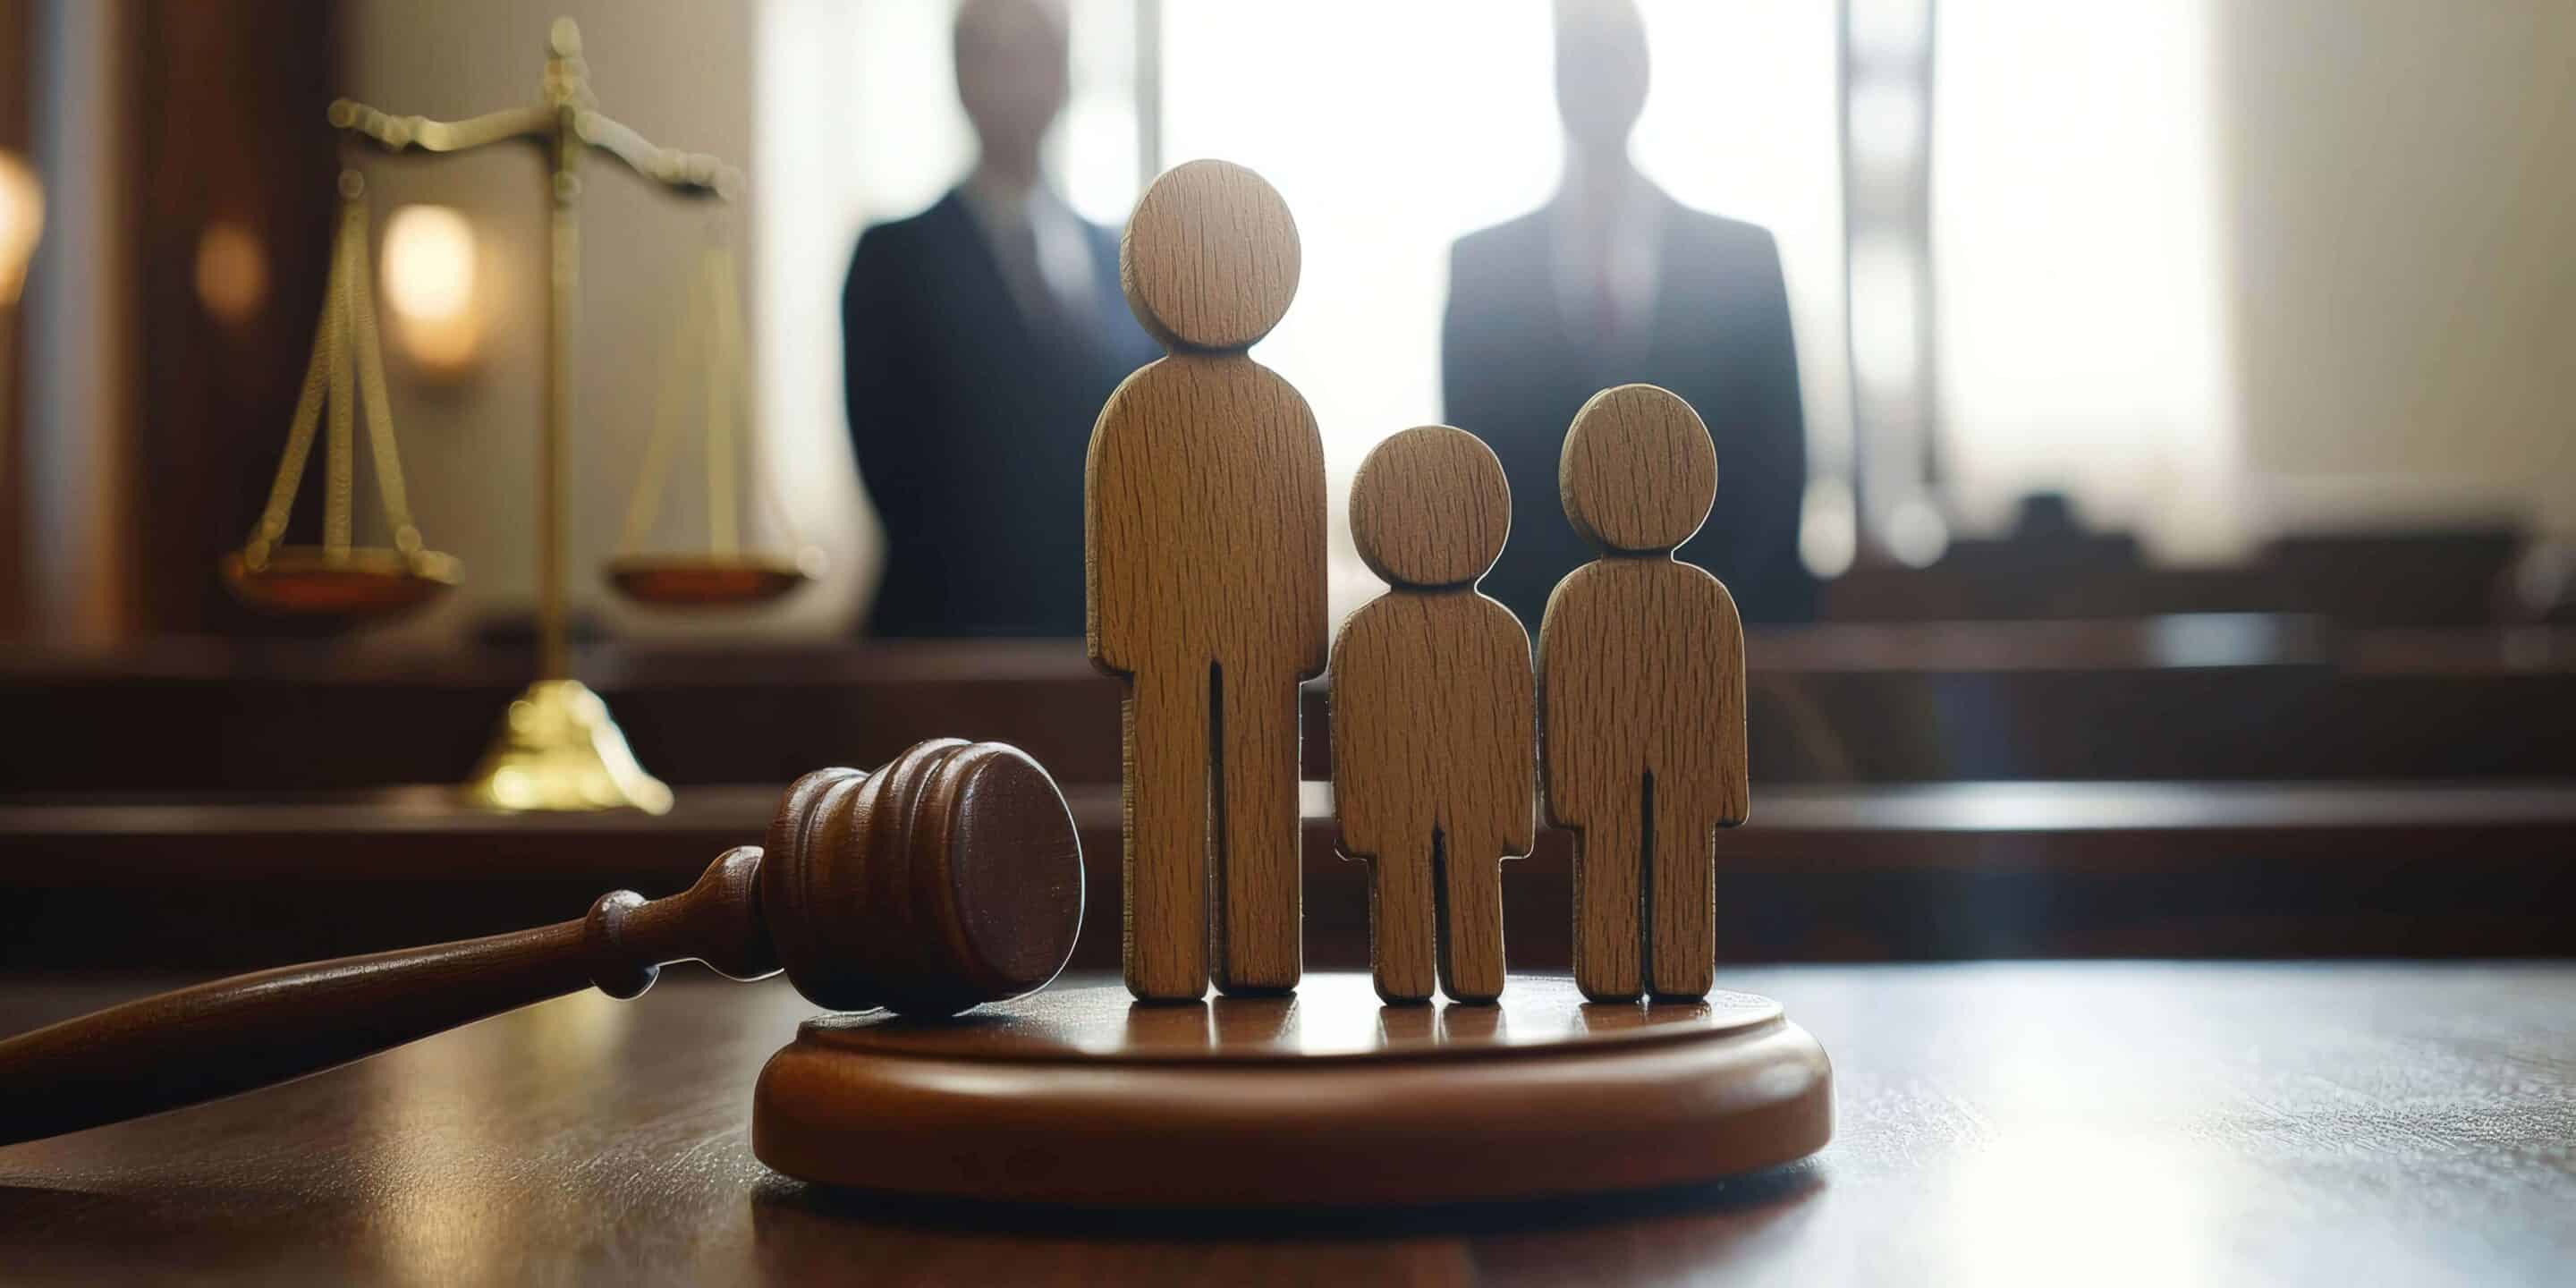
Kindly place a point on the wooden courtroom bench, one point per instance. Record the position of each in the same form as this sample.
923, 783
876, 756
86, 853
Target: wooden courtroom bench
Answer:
1821, 873
2182, 786
2192, 698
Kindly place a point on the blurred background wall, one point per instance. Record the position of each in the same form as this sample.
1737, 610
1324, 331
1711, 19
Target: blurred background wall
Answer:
2080, 246
2223, 271
2403, 264
2213, 273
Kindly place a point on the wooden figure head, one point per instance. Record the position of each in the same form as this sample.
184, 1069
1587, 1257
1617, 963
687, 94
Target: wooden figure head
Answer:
1210, 258
1639, 472
1430, 508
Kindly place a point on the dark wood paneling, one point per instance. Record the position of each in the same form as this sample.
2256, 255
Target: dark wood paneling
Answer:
2431, 577
2199, 699
17, 86
1933, 872
229, 96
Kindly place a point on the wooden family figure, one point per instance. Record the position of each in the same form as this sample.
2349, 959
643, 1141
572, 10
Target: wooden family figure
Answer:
1203, 511
1204, 529
1641, 697
1435, 742
1638, 734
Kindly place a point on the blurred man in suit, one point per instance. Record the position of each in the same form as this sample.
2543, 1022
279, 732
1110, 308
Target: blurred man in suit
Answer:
1612, 282
979, 339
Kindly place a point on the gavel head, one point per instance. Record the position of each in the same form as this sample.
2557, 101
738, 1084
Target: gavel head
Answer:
949, 878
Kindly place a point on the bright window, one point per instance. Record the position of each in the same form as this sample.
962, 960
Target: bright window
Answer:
1392, 129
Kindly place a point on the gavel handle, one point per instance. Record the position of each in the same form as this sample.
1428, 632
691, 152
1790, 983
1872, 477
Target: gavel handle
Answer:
252, 1030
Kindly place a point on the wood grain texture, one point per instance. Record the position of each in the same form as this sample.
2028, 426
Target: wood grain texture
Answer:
236, 1034
1639, 471
1334, 1016
1210, 257
2289, 1124
1430, 508
2127, 869
1642, 700
1261, 1101
1434, 724
2253, 697
948, 879
1204, 542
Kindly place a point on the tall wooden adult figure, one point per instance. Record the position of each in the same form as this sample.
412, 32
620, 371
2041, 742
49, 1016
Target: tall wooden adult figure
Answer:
1204, 527
1641, 699
1435, 737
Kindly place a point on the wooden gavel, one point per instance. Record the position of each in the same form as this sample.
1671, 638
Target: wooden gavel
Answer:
949, 878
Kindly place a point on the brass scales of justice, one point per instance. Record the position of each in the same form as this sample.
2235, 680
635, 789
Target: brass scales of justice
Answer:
557, 748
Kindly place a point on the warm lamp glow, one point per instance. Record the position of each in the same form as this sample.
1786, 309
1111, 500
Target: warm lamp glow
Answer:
429, 287
232, 273
22, 220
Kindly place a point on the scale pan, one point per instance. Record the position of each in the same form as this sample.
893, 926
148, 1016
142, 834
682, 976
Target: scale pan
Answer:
710, 581
366, 582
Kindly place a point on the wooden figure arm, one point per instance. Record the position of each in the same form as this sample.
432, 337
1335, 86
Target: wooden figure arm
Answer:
1348, 698
1516, 705
1105, 626
1303, 522
1734, 757
1560, 655
1520, 790
253, 1030
1734, 754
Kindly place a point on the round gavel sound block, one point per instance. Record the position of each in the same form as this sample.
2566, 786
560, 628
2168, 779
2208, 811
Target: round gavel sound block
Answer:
950, 878
1324, 1097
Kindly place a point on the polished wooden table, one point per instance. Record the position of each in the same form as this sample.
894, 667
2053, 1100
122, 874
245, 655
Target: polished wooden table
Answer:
2087, 1123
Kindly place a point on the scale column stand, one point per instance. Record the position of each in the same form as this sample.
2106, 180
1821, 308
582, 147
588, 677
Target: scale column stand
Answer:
557, 748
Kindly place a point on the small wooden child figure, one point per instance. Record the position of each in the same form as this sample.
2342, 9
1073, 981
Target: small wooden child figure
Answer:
1203, 516
1435, 743
1641, 699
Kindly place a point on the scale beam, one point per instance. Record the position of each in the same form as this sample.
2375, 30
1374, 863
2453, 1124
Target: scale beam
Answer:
688, 174
403, 133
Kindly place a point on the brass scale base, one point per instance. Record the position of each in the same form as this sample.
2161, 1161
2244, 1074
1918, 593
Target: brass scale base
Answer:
1324, 1097
558, 750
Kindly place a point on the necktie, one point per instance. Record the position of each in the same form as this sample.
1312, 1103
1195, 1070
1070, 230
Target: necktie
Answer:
1015, 251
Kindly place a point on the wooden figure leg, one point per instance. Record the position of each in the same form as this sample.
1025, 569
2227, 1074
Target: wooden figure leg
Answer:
1471, 943
1260, 890
1609, 854
1401, 923
1166, 870
1683, 938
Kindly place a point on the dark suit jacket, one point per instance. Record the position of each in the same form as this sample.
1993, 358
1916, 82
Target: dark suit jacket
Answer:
1514, 376
971, 426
